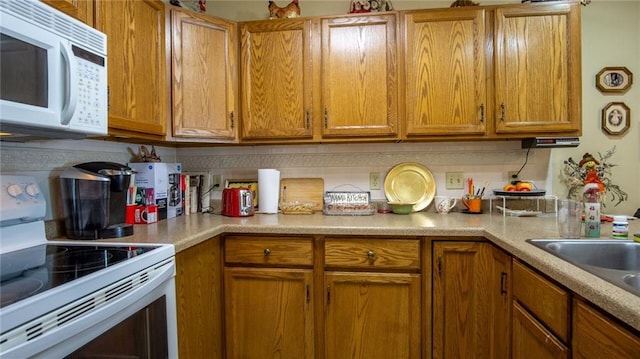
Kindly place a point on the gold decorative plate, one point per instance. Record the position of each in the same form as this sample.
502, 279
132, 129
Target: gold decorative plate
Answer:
410, 182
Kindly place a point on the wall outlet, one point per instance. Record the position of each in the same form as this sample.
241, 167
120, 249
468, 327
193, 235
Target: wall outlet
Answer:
216, 182
374, 180
455, 180
512, 175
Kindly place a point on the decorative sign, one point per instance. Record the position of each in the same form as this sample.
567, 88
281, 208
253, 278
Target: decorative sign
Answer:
339, 197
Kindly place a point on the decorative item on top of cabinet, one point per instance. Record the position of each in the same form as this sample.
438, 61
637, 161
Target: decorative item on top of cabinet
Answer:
582, 2
364, 6
290, 10
204, 77
461, 3
137, 66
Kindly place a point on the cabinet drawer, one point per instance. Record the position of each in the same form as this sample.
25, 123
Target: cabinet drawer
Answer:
545, 300
372, 253
291, 251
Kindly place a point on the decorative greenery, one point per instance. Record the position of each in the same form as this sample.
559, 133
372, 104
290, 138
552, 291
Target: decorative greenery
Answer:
574, 176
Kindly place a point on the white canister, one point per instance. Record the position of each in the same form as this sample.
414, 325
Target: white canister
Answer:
620, 227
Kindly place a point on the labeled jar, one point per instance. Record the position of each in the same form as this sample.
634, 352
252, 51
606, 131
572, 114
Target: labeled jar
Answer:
620, 227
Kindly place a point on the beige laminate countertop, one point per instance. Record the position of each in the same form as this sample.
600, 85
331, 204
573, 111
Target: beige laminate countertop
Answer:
507, 232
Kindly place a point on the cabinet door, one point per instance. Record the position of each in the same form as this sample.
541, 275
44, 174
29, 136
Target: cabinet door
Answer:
204, 83
372, 315
80, 9
199, 300
446, 72
268, 313
532, 340
360, 76
537, 69
596, 336
137, 66
276, 79
471, 300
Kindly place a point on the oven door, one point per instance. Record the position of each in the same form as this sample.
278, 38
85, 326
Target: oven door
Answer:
132, 318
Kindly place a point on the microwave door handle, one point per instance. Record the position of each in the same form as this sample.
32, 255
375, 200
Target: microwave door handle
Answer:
71, 92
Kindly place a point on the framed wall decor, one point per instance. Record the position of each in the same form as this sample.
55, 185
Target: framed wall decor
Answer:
616, 118
614, 80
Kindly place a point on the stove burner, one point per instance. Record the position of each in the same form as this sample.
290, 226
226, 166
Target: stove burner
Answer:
30, 271
80, 259
13, 291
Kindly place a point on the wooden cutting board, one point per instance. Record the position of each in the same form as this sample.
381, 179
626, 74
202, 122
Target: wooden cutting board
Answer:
302, 189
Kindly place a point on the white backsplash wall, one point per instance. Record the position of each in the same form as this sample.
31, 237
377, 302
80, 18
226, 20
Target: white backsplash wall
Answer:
45, 160
338, 164
347, 166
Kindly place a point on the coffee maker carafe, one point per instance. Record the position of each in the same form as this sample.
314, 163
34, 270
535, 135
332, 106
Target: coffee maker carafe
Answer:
94, 197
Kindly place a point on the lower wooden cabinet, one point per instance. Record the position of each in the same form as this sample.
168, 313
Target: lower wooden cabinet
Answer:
268, 313
540, 326
199, 300
530, 339
268, 297
596, 336
471, 300
372, 315
271, 296
373, 297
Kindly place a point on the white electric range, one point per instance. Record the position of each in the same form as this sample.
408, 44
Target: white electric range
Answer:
57, 297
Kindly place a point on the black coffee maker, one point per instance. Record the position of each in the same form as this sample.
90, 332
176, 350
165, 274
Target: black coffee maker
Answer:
94, 197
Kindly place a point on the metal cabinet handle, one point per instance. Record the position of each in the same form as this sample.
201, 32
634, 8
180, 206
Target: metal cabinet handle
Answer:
370, 254
231, 118
326, 118
308, 119
266, 251
482, 113
502, 111
503, 283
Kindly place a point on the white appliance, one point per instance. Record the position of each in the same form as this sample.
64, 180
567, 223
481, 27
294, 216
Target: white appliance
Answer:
53, 71
81, 298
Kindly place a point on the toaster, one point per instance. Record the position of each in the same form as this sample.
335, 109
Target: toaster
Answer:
237, 202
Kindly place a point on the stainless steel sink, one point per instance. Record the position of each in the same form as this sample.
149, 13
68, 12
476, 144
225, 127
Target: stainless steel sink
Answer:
617, 261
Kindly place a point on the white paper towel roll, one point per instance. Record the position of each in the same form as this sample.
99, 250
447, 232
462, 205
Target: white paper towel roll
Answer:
268, 190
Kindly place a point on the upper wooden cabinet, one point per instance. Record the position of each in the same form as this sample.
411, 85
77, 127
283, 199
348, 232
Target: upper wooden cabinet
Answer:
137, 66
80, 9
508, 71
317, 79
276, 79
446, 69
537, 69
359, 77
204, 76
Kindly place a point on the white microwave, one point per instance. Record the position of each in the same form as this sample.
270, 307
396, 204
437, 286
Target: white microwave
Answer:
53, 73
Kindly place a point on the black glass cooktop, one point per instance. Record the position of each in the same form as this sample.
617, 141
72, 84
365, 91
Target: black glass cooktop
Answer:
33, 270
